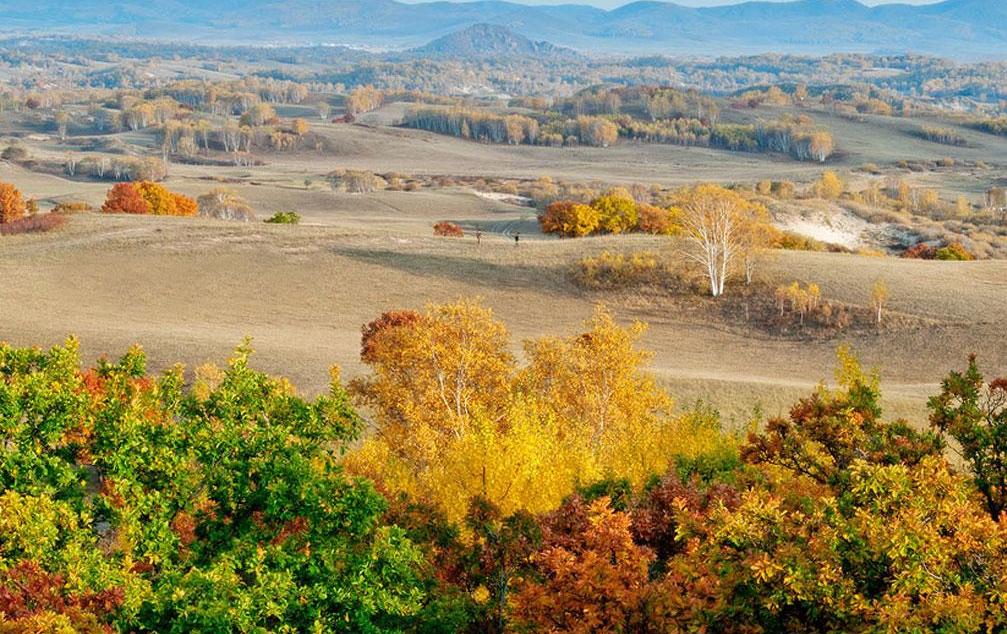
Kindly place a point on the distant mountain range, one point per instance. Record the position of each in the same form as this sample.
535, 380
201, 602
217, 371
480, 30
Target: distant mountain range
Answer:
963, 28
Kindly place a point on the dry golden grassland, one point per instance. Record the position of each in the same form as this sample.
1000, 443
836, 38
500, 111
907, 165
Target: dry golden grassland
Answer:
191, 289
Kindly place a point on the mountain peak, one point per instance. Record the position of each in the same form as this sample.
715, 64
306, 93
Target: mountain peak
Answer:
488, 40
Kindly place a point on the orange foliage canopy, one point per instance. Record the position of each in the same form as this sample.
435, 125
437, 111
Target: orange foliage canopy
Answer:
125, 198
185, 206
12, 207
595, 576
146, 197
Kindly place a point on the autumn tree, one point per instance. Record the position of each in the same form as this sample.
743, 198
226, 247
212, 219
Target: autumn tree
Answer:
593, 580
300, 127
184, 206
825, 434
160, 201
596, 385
756, 235
364, 99
62, 120
259, 114
829, 186
569, 218
974, 414
12, 205
658, 221
225, 204
617, 211
433, 376
846, 491
449, 427
721, 227
125, 198
456, 419
879, 297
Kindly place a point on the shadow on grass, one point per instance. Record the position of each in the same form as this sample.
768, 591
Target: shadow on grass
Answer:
470, 269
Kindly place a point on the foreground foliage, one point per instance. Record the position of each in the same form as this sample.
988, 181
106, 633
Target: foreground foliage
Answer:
135, 502
564, 494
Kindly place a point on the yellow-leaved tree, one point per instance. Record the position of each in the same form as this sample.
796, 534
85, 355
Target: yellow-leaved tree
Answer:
595, 385
455, 418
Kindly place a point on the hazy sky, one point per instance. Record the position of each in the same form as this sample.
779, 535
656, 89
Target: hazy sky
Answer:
609, 4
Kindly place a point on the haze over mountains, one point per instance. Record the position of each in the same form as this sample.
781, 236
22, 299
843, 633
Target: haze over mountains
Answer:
961, 28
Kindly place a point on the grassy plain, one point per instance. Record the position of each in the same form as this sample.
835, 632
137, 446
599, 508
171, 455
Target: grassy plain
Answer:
191, 289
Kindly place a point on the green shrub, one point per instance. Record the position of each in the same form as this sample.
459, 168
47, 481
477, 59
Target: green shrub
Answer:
284, 218
954, 252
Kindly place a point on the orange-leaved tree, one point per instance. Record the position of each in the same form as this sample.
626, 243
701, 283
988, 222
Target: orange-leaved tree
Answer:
569, 218
185, 206
12, 206
125, 198
595, 577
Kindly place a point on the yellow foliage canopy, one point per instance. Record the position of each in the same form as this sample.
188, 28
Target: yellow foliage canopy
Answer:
457, 419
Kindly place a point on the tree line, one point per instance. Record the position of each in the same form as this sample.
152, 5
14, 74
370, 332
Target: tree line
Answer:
796, 137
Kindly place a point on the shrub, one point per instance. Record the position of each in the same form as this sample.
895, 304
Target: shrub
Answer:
617, 270
569, 218
791, 241
125, 198
14, 153
12, 206
954, 252
658, 221
921, 251
945, 136
72, 207
829, 186
284, 218
33, 224
164, 202
783, 189
447, 229
356, 181
185, 206
224, 204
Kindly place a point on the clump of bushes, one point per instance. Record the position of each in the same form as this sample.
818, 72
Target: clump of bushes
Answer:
610, 271
33, 224
14, 153
355, 181
953, 251
222, 203
616, 211
806, 303
72, 207
445, 229
147, 198
791, 241
284, 218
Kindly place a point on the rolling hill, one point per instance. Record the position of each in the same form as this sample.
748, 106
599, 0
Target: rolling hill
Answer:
489, 40
961, 28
